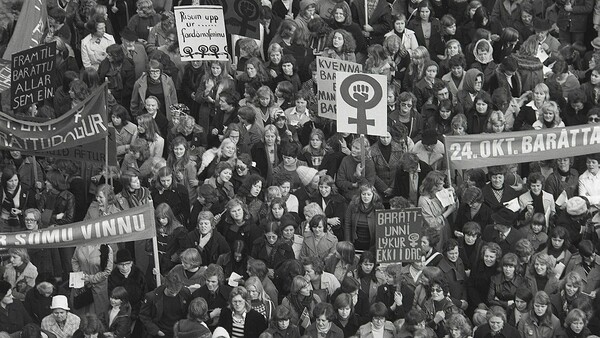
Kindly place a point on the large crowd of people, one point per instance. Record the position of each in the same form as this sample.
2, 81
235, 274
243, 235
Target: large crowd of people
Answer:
265, 214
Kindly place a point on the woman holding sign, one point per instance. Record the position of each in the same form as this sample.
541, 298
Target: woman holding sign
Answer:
434, 211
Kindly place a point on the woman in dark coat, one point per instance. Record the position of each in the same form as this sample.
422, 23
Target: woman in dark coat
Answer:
16, 198
166, 190
342, 19
210, 243
472, 209
261, 153
240, 312
119, 72
332, 203
478, 283
271, 249
237, 224
426, 26
129, 276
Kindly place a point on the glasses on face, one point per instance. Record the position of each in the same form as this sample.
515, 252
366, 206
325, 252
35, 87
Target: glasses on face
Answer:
594, 119
30, 220
154, 71
437, 290
407, 105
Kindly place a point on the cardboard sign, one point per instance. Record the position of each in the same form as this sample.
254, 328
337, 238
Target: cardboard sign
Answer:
326, 74
241, 18
398, 235
33, 77
362, 103
201, 33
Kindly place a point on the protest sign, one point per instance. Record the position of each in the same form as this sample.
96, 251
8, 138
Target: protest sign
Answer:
362, 103
85, 123
129, 225
241, 18
326, 73
33, 77
398, 234
93, 152
482, 150
201, 33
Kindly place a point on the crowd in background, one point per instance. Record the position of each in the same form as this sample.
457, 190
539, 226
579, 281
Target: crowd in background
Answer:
265, 214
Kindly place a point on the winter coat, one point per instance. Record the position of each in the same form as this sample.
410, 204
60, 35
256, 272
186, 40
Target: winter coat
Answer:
577, 20
254, 323
134, 283
280, 252
325, 247
346, 176
153, 308
530, 69
216, 246
121, 325
187, 328
139, 94
386, 170
380, 19
528, 328
463, 97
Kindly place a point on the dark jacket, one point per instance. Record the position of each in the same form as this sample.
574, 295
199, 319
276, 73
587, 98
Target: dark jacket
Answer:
177, 198
482, 217
14, 317
63, 202
502, 290
478, 283
121, 325
216, 246
490, 199
135, 284
280, 252
247, 232
508, 244
121, 91
385, 294
291, 332
254, 325
401, 182
335, 206
380, 20
577, 20
334, 331
485, 331
151, 313
260, 157
37, 305
218, 300
186, 328
456, 277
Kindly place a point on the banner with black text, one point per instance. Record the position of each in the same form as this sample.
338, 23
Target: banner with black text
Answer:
128, 225
482, 150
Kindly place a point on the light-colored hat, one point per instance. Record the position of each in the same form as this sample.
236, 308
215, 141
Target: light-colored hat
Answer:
576, 206
60, 302
220, 332
596, 43
306, 174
